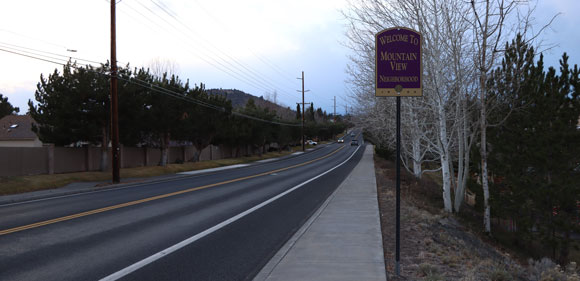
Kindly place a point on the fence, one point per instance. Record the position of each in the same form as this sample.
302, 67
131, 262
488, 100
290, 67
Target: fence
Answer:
20, 161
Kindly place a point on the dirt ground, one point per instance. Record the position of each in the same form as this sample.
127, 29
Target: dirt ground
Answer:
435, 246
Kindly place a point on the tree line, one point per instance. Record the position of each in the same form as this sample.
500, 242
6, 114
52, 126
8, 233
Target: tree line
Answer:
73, 107
490, 119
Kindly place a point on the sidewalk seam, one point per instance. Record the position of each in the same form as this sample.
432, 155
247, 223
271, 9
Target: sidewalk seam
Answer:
294, 239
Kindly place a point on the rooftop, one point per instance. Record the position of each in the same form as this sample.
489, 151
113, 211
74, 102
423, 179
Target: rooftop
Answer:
17, 127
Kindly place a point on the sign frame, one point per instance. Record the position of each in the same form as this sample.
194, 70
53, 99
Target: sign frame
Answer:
405, 89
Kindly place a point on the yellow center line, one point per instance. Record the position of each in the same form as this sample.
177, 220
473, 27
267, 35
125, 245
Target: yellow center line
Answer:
131, 203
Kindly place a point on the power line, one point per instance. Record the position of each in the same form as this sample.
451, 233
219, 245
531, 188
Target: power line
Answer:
160, 90
177, 19
174, 94
33, 57
265, 60
224, 67
13, 46
240, 70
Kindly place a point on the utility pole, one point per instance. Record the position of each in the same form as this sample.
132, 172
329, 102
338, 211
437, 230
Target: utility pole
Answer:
303, 148
114, 105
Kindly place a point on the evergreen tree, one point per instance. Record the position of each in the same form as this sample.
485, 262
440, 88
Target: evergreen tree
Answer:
201, 123
262, 132
132, 99
165, 112
298, 112
6, 108
320, 115
72, 106
536, 151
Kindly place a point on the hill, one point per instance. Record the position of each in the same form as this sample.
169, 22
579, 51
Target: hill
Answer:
240, 98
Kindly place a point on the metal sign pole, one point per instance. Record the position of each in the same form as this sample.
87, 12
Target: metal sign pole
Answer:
398, 72
398, 243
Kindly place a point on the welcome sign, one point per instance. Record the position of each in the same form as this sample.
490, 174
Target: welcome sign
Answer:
398, 63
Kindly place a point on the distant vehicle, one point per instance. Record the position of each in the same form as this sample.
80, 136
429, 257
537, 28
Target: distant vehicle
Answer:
354, 142
340, 140
311, 142
352, 135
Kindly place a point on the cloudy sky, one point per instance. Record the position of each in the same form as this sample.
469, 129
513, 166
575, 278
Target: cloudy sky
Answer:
258, 46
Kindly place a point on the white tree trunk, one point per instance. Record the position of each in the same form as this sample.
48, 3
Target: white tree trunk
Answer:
446, 183
444, 156
463, 155
417, 157
485, 184
483, 152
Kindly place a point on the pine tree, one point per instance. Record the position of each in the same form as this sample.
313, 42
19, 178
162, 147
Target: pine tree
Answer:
72, 106
298, 112
6, 108
310, 115
536, 151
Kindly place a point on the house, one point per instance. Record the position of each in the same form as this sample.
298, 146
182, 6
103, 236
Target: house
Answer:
16, 131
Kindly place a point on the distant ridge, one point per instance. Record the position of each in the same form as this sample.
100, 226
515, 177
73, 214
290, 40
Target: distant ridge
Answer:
240, 99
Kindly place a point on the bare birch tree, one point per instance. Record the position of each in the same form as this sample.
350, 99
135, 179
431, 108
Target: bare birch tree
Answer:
430, 121
460, 47
160, 66
490, 30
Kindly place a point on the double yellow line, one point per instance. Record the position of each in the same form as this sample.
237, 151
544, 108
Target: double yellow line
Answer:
131, 203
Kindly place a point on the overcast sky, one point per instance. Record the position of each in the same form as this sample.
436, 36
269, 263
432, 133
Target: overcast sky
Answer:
258, 46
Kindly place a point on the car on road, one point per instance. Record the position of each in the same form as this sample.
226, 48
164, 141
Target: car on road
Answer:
340, 140
352, 135
311, 142
354, 142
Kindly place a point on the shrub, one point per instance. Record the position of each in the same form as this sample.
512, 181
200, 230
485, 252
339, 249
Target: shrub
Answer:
385, 152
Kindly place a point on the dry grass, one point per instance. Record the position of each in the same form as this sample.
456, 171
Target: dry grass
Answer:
435, 246
20, 184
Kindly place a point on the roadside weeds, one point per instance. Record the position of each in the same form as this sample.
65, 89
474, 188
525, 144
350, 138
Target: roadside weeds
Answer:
436, 246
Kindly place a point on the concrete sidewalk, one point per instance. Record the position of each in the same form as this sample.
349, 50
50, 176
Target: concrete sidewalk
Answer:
342, 240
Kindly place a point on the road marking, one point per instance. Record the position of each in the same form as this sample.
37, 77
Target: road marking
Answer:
267, 160
136, 266
124, 186
131, 203
213, 169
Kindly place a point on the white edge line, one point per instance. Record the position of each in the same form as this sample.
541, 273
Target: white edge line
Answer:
134, 267
271, 265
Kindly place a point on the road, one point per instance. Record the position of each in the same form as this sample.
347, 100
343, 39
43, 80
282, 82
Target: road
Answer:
220, 226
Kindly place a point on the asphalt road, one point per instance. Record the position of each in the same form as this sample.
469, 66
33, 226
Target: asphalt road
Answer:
220, 226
